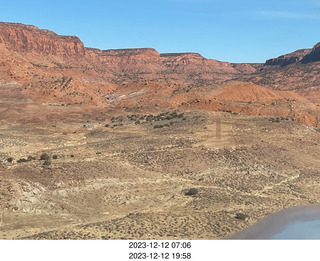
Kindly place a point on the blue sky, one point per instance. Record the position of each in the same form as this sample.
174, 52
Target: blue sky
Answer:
234, 31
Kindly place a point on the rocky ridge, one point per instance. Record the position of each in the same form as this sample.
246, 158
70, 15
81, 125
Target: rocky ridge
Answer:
59, 70
300, 56
313, 56
115, 64
289, 58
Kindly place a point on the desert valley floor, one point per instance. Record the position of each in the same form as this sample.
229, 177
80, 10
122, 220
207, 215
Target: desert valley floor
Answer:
158, 175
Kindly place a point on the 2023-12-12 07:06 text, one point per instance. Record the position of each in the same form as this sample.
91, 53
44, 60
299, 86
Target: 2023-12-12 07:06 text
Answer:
160, 245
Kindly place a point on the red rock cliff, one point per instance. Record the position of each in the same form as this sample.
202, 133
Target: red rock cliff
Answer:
137, 60
313, 56
117, 65
187, 62
28, 38
289, 58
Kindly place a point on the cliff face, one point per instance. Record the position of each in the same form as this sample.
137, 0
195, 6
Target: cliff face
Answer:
147, 63
300, 56
117, 65
194, 62
132, 61
27, 38
289, 58
313, 56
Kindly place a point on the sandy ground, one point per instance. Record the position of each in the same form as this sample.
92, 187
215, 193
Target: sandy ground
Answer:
159, 175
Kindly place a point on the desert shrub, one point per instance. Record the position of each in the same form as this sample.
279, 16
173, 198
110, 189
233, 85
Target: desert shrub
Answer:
55, 156
72, 156
21, 160
275, 119
119, 118
133, 117
241, 216
174, 114
117, 125
158, 126
47, 162
10, 159
191, 192
107, 125
44, 156
149, 117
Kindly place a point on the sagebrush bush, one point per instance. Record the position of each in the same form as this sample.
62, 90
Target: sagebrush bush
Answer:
21, 160
191, 192
241, 216
47, 162
44, 156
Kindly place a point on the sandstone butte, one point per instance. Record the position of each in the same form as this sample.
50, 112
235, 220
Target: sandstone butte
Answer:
51, 69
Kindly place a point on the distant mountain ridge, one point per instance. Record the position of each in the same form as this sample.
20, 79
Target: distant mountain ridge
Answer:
131, 62
57, 70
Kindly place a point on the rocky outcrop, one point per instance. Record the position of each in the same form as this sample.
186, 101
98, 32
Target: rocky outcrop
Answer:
124, 61
244, 67
193, 62
192, 67
289, 58
299, 56
313, 56
27, 38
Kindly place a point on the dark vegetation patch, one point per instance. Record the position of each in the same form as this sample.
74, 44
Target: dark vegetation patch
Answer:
22, 160
191, 192
47, 162
44, 156
151, 119
241, 216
